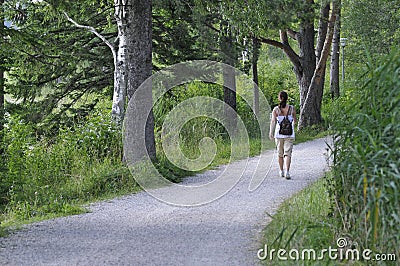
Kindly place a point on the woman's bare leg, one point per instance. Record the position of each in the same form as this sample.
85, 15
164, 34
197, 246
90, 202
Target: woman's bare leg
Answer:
280, 161
288, 160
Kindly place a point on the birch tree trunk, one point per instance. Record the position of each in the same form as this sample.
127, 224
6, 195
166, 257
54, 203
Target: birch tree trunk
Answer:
119, 59
120, 62
1, 84
334, 80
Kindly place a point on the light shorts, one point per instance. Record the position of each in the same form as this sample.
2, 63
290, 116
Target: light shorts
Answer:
284, 146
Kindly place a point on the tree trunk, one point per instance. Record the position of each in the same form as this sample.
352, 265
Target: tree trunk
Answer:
309, 73
119, 58
334, 82
307, 58
310, 114
229, 57
139, 64
2, 92
1, 108
120, 63
256, 54
322, 32
305, 67
310, 55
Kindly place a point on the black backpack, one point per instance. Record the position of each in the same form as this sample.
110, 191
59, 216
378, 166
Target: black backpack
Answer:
285, 126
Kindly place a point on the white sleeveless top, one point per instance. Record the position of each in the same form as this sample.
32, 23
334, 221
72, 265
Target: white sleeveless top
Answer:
279, 119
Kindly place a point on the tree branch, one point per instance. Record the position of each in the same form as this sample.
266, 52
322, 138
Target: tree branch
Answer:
212, 27
293, 34
271, 42
93, 30
284, 37
285, 46
322, 29
328, 40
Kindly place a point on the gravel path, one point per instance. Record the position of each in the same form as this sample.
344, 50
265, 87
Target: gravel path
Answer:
140, 230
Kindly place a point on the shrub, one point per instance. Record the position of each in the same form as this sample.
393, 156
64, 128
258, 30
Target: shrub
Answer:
51, 175
366, 159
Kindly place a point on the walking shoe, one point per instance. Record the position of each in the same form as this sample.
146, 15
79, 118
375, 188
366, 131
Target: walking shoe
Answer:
281, 174
287, 175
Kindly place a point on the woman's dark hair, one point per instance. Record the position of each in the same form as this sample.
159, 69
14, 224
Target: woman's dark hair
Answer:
284, 97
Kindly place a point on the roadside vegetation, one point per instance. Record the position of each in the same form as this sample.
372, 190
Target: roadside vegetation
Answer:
359, 199
366, 156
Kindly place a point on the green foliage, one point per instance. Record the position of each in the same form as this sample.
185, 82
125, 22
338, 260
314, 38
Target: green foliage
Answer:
51, 176
276, 75
175, 37
57, 71
52, 64
370, 25
366, 158
253, 17
312, 132
198, 128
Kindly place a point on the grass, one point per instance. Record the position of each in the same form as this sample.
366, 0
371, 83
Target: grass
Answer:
311, 133
11, 220
302, 222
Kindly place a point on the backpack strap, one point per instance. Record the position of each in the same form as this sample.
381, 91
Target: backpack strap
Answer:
289, 111
278, 109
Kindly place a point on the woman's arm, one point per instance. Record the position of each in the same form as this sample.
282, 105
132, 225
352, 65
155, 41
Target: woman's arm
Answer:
272, 124
294, 116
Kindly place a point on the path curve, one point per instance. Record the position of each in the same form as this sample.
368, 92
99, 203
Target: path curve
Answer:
140, 230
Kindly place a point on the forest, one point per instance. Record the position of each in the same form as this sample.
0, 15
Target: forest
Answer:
69, 69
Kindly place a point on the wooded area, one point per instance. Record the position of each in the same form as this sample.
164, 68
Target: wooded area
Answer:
68, 70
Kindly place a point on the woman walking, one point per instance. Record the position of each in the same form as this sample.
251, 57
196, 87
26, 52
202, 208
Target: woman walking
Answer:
283, 132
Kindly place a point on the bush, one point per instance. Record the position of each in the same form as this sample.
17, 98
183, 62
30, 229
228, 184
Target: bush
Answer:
51, 176
366, 159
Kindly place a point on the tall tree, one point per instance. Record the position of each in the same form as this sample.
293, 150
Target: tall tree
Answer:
334, 73
308, 67
310, 114
216, 25
2, 70
254, 59
322, 34
229, 57
120, 62
264, 18
132, 61
139, 64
